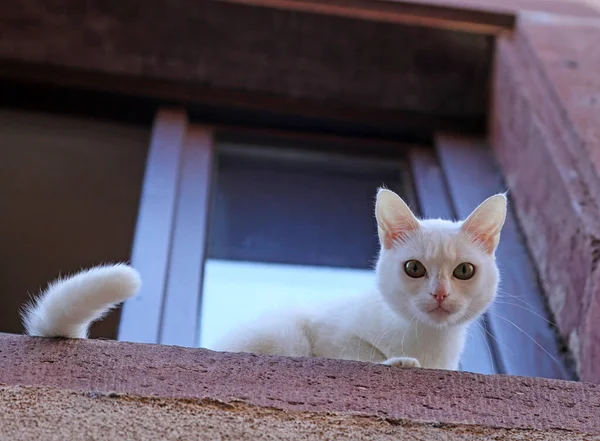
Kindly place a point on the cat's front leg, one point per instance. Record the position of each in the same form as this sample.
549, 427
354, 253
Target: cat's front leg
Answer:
403, 362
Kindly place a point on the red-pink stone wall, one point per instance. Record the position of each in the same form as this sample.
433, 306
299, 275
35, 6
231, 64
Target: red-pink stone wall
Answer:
301, 384
545, 132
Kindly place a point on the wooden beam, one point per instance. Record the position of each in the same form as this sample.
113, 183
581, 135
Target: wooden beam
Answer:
324, 142
182, 302
43, 86
573, 8
490, 21
526, 342
434, 202
179, 49
141, 316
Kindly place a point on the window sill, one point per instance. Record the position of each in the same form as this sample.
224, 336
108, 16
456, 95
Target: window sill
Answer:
174, 388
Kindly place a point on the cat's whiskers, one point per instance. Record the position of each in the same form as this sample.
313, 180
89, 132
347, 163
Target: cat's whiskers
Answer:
527, 335
404, 335
381, 336
503, 302
417, 330
346, 341
375, 345
391, 341
501, 293
487, 345
473, 318
361, 340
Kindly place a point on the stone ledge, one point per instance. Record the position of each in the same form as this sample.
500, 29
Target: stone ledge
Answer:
31, 413
300, 385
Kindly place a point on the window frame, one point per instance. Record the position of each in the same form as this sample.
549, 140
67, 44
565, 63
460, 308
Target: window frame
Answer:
169, 310
30, 64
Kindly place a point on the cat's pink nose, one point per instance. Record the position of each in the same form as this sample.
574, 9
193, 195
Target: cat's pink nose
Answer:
440, 295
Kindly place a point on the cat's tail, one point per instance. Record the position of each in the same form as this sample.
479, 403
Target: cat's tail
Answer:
67, 307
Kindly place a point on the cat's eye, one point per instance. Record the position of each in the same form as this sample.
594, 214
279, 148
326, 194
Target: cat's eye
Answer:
414, 269
464, 271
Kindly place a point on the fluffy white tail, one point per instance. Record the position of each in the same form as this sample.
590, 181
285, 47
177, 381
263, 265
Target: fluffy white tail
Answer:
69, 306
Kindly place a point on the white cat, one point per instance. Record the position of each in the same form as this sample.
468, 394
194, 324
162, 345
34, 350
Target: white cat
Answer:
434, 277
68, 306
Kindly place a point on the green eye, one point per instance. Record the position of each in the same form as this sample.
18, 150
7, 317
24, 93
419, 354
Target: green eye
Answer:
414, 269
464, 271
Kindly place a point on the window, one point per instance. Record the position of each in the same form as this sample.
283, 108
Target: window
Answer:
289, 226
301, 71
237, 292
228, 220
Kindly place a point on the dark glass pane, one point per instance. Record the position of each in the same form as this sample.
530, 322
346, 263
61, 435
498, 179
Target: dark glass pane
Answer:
298, 208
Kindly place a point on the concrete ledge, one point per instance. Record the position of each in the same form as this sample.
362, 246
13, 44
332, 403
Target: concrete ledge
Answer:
32, 413
390, 397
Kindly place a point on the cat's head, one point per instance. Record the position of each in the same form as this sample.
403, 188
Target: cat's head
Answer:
439, 272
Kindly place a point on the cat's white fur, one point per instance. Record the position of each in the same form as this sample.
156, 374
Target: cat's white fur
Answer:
396, 323
67, 307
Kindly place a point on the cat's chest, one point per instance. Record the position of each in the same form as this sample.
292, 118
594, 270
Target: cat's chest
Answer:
373, 333
434, 348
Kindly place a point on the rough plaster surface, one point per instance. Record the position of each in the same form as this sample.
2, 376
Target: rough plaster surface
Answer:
34, 413
301, 384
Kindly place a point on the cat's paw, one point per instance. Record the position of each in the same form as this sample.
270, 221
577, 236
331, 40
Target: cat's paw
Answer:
403, 362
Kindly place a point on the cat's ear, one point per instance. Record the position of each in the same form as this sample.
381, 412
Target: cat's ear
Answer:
394, 218
486, 221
